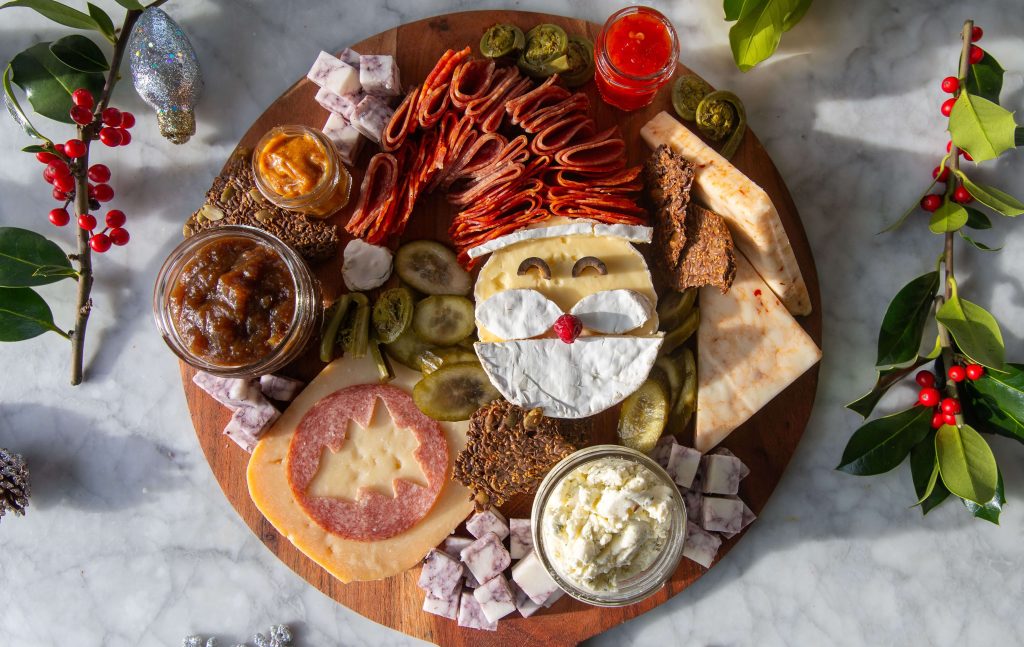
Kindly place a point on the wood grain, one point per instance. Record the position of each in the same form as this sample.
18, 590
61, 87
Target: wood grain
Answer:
765, 443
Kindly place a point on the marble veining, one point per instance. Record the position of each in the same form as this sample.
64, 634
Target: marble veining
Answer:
129, 541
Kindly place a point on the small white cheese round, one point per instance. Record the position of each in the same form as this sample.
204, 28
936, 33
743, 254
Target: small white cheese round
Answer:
366, 266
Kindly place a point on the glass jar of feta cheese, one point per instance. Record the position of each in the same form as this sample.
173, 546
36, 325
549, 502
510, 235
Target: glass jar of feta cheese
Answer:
609, 525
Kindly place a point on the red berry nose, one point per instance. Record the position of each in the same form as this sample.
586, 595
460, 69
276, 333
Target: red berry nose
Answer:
568, 328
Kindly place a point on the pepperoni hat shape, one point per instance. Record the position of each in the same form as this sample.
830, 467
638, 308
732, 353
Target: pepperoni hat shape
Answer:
372, 515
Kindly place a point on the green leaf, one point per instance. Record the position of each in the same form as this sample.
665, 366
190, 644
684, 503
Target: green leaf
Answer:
925, 472
982, 128
906, 214
978, 244
56, 271
966, 463
992, 197
80, 53
756, 35
106, 25
48, 83
990, 511
865, 404
903, 325
736, 9
34, 148
975, 331
882, 444
977, 220
985, 78
15, 108
131, 4
796, 15
997, 401
57, 12
23, 253
949, 217
24, 315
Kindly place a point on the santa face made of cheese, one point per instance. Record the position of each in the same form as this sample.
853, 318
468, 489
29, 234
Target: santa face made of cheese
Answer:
589, 271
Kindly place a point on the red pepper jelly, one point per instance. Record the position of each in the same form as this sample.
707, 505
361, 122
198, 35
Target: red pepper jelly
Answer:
635, 55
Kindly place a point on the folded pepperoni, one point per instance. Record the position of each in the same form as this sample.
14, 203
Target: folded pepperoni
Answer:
403, 123
544, 95
578, 103
627, 179
514, 152
477, 188
375, 195
480, 154
493, 119
470, 81
559, 134
501, 193
605, 150
432, 105
442, 72
504, 80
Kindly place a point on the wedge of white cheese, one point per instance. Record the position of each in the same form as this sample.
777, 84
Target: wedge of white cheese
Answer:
753, 219
749, 348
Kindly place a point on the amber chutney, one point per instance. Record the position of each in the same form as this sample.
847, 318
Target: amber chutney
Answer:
236, 301
297, 168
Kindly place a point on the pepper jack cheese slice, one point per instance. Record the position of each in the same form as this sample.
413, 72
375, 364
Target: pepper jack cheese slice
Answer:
749, 348
350, 560
752, 218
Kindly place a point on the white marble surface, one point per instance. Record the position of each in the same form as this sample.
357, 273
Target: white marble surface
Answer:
129, 540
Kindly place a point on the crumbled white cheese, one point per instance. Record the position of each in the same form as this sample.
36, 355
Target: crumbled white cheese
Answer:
366, 266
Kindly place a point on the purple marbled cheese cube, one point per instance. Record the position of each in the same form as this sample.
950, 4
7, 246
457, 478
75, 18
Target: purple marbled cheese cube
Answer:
229, 391
700, 546
283, 389
441, 574
748, 517
682, 465
342, 104
521, 539
446, 607
722, 474
555, 597
663, 449
350, 56
489, 520
692, 500
495, 598
471, 616
248, 423
334, 75
378, 74
370, 117
722, 514
344, 136
531, 576
526, 606
486, 557
453, 545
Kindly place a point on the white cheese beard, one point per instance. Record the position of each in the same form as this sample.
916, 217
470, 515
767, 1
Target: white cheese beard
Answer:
574, 380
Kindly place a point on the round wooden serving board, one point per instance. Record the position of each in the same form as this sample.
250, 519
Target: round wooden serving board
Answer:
765, 443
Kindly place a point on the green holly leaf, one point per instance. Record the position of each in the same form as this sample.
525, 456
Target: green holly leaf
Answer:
905, 319
757, 33
982, 128
974, 329
24, 254
924, 470
103, 21
993, 198
887, 377
15, 109
906, 214
990, 511
978, 244
80, 53
966, 463
57, 12
134, 5
48, 83
24, 315
34, 148
985, 78
883, 443
949, 217
977, 220
996, 401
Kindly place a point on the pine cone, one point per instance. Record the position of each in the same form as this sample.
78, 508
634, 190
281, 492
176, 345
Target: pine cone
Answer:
15, 488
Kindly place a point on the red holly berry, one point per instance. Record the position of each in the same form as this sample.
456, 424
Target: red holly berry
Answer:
947, 107
950, 405
83, 98
46, 157
937, 421
127, 120
59, 148
110, 136
99, 243
60, 217
118, 236
111, 117
81, 116
925, 379
87, 221
58, 168
950, 84
975, 55
126, 137
949, 419
928, 397
91, 190
962, 195
64, 183
976, 34
74, 148
931, 202
957, 373
975, 371
99, 173
967, 156
115, 218
103, 192
48, 174
941, 174
568, 328
60, 195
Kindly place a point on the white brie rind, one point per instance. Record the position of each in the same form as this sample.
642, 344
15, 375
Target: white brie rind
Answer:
613, 312
569, 380
366, 266
517, 314
632, 233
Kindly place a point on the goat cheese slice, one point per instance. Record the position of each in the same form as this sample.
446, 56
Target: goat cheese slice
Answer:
366, 266
517, 314
613, 312
334, 75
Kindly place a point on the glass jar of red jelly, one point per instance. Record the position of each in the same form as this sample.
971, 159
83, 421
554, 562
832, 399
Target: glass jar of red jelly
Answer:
635, 55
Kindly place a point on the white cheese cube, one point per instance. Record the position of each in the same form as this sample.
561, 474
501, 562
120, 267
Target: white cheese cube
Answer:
722, 514
441, 574
700, 546
555, 597
495, 598
229, 391
748, 517
342, 104
692, 500
471, 581
446, 607
371, 116
722, 474
379, 76
471, 616
521, 542
344, 136
486, 557
682, 465
526, 606
249, 422
453, 545
531, 576
332, 74
663, 449
489, 520
350, 56
283, 389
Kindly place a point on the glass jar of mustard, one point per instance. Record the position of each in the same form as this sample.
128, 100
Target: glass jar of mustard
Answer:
297, 168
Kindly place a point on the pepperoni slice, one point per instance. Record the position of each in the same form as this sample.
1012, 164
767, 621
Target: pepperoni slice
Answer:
493, 118
578, 103
509, 76
403, 123
480, 154
373, 515
627, 179
442, 72
480, 187
544, 95
470, 81
375, 194
559, 134
605, 150
432, 105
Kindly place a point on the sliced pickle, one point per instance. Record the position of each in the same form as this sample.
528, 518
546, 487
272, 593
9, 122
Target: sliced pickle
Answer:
643, 416
329, 335
381, 361
674, 307
454, 392
444, 319
678, 336
354, 335
684, 407
673, 370
431, 360
392, 314
408, 348
431, 268
502, 40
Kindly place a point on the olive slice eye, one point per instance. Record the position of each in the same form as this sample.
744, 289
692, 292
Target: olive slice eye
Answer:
589, 261
534, 263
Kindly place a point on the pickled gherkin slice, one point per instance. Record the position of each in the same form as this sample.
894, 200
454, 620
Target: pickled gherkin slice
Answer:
444, 319
334, 317
408, 348
431, 360
431, 268
454, 393
643, 416
354, 335
684, 407
502, 40
674, 307
674, 376
392, 314
678, 336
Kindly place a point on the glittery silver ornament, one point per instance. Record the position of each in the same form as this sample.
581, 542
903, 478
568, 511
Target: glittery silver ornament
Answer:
165, 73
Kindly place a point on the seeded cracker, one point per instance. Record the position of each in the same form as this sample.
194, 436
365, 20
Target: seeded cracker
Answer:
668, 178
234, 200
708, 258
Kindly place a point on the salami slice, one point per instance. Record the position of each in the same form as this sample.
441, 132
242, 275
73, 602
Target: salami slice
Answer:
373, 515
375, 194
493, 118
477, 188
509, 76
605, 150
513, 152
403, 123
627, 179
470, 81
559, 134
480, 154
544, 95
432, 105
442, 73
578, 103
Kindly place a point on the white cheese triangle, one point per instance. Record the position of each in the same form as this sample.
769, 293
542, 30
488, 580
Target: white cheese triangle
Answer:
517, 314
613, 312
749, 349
